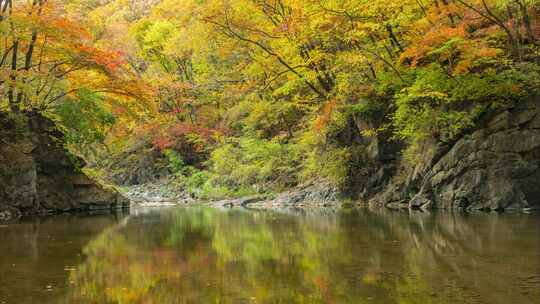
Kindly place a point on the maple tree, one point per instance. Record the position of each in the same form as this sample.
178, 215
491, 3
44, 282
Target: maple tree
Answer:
47, 57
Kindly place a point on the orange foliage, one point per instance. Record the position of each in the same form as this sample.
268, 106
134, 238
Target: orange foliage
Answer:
326, 115
451, 41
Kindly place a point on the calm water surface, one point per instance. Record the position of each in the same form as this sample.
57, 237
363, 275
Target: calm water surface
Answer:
204, 255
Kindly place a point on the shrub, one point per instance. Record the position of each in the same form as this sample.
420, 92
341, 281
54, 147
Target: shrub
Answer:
441, 106
331, 165
175, 162
83, 119
249, 161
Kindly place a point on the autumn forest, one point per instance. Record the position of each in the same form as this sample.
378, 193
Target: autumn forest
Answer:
259, 96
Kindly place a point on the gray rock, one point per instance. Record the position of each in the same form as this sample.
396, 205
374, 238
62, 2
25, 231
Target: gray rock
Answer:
496, 167
38, 175
156, 193
313, 194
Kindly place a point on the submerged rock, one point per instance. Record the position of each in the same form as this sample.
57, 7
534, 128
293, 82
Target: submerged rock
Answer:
38, 175
239, 202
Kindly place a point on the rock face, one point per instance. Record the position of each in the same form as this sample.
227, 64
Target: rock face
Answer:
38, 175
141, 164
496, 167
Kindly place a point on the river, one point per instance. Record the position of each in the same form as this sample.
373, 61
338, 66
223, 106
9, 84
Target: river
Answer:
208, 255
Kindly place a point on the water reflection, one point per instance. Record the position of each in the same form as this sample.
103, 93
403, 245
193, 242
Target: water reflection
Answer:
204, 255
37, 255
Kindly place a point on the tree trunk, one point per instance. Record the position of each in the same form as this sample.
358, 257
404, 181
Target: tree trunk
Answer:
12, 86
526, 21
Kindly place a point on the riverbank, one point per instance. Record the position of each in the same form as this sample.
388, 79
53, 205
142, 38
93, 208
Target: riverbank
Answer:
164, 193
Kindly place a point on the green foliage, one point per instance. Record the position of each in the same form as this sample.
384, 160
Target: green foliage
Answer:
84, 119
175, 162
364, 109
441, 106
332, 165
249, 161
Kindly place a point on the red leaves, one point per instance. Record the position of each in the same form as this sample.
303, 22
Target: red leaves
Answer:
183, 132
182, 129
163, 143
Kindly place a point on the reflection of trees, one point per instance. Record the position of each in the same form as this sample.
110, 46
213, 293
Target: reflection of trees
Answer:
39, 252
476, 258
212, 256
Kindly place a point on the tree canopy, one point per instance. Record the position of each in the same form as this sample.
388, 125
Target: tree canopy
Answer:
253, 94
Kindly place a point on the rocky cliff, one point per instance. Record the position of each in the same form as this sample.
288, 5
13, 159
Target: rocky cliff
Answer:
38, 175
496, 166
